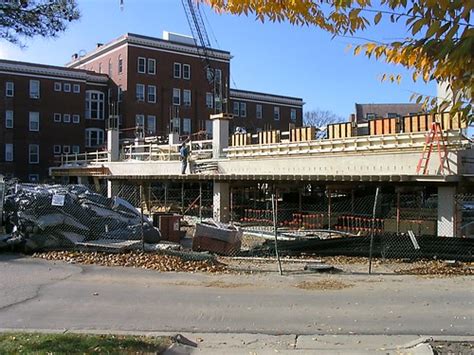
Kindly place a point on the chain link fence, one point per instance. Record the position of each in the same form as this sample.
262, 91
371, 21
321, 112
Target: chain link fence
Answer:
404, 225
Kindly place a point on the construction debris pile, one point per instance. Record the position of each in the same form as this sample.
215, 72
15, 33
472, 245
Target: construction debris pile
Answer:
438, 268
219, 238
154, 261
45, 217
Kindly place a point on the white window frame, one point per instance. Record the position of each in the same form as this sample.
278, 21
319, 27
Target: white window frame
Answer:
33, 177
236, 109
176, 97
9, 119
33, 93
99, 101
9, 152
187, 67
140, 120
143, 60
187, 100
293, 115
33, 118
57, 149
88, 136
66, 149
120, 64
149, 119
67, 87
76, 88
76, 118
151, 66
243, 109
66, 118
259, 111
369, 116
186, 124
9, 89
57, 117
209, 100
140, 92
57, 86
276, 113
177, 74
30, 153
76, 149
151, 90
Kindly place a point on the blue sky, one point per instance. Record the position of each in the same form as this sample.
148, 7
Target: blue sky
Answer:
276, 58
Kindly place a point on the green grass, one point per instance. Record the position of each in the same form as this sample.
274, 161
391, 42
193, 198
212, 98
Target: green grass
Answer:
39, 343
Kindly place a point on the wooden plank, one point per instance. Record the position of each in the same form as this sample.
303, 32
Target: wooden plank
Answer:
386, 126
393, 125
414, 124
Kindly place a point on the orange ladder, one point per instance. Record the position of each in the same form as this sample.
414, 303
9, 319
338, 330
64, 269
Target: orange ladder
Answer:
434, 136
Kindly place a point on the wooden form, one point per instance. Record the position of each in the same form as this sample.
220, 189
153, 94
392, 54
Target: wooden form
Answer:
339, 130
269, 137
302, 134
241, 139
380, 126
423, 123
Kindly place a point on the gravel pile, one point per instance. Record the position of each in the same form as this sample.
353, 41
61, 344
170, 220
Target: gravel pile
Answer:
438, 268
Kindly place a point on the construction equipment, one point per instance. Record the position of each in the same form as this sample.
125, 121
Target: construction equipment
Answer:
434, 136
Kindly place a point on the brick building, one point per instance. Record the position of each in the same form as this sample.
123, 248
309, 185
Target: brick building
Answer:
155, 85
46, 111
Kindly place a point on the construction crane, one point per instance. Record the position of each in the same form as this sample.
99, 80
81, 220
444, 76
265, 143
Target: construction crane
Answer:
203, 45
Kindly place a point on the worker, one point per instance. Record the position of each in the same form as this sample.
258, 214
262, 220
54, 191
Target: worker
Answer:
183, 156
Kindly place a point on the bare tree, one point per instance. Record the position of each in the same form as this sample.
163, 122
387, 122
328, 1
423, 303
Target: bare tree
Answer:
29, 18
320, 118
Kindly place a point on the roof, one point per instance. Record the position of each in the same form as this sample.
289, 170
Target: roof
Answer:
382, 110
151, 42
11, 66
264, 97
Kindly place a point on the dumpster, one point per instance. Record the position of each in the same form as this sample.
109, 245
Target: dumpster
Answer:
169, 226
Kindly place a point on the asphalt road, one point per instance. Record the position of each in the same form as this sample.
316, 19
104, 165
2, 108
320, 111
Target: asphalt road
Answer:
46, 295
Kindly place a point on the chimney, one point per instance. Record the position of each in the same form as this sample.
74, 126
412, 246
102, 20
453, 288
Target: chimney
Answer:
74, 56
98, 45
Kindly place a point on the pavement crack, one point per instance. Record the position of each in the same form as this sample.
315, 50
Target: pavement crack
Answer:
295, 343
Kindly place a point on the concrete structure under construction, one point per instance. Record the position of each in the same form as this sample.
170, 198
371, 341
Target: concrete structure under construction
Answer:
292, 161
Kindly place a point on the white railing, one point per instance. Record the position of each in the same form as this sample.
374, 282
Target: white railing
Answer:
83, 158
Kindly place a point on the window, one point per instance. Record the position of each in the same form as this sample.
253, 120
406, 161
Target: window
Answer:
236, 109
110, 67
119, 93
140, 95
67, 87
140, 121
33, 153
67, 118
151, 66
8, 152
186, 125
276, 113
34, 121
186, 71
208, 126
94, 105
57, 86
76, 118
209, 100
293, 115
151, 93
141, 65
57, 149
177, 70
177, 97
8, 119
9, 89
57, 117
151, 124
218, 75
33, 177
243, 109
66, 149
392, 115
94, 137
187, 97
76, 88
370, 116
209, 74
120, 64
34, 89
75, 149
259, 111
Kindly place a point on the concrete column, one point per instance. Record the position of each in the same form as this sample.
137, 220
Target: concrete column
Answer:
113, 144
112, 188
173, 138
446, 211
220, 134
221, 201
